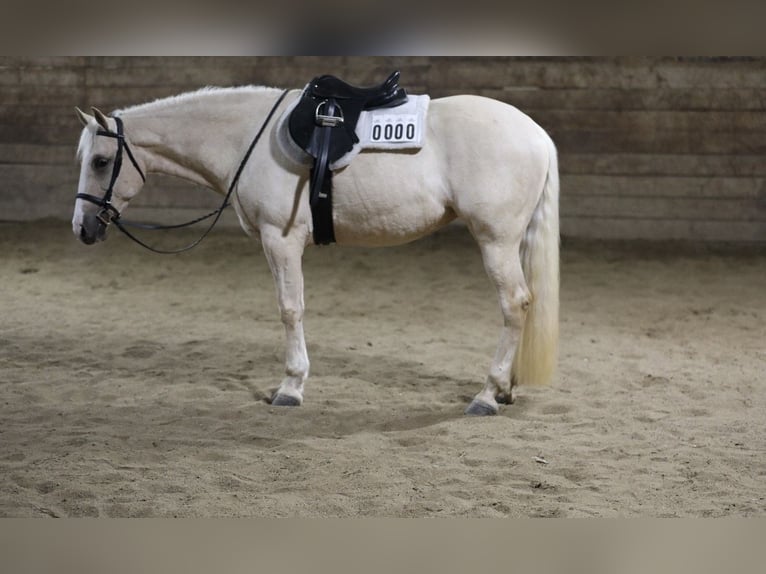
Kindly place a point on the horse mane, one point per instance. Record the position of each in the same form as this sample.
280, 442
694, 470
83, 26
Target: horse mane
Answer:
190, 96
86, 137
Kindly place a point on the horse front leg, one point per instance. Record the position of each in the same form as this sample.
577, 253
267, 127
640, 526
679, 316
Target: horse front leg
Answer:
284, 255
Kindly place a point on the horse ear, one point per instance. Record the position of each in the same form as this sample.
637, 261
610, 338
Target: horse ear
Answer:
100, 118
84, 118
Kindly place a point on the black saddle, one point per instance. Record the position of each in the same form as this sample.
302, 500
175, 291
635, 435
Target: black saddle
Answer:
323, 124
329, 102
375, 96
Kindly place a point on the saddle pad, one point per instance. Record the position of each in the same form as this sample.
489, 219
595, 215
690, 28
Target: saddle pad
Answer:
399, 128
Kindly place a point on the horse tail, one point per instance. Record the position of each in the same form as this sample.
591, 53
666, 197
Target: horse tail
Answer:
537, 351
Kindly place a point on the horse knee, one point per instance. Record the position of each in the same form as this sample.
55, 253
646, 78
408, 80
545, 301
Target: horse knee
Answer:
291, 317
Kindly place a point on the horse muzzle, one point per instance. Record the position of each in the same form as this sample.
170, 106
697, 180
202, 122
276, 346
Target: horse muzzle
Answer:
92, 229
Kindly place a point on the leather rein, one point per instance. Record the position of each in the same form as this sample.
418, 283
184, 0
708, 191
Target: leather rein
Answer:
110, 214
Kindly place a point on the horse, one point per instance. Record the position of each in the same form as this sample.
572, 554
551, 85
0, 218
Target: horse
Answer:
483, 161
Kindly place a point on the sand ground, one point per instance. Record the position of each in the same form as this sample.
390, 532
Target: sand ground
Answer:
133, 384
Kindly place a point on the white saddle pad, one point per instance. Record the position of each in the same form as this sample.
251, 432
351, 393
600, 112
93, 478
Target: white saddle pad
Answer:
399, 128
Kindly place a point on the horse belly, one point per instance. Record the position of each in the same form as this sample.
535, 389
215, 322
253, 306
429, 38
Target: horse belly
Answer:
390, 198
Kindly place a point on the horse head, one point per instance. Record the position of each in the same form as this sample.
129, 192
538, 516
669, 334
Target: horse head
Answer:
104, 189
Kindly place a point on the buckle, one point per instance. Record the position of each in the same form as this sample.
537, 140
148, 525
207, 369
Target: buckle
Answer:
107, 214
325, 120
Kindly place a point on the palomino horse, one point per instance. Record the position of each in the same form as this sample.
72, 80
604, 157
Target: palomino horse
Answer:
483, 161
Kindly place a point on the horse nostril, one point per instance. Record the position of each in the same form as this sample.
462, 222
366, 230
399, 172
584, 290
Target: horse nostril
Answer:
85, 237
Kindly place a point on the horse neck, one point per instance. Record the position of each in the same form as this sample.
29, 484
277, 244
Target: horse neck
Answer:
200, 139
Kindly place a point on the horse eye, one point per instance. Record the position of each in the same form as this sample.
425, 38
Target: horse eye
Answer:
100, 162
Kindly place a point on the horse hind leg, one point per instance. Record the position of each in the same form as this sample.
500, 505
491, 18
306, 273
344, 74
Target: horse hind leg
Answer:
503, 265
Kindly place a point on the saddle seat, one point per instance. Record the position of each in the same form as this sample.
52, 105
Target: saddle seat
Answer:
373, 97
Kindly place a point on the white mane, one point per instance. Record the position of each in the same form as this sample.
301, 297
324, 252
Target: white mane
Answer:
187, 97
86, 138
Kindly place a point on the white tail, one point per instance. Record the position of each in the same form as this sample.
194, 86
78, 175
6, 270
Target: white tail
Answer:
537, 352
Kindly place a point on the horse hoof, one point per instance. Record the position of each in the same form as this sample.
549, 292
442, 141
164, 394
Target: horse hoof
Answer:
480, 409
285, 401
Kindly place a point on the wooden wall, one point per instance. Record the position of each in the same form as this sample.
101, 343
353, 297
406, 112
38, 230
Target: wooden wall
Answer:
658, 148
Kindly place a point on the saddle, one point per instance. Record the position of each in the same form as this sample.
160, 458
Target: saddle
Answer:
323, 124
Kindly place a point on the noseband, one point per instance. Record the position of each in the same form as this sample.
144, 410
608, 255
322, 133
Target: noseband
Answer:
109, 212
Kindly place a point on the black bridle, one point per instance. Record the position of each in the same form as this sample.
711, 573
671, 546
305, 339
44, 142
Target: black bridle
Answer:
110, 214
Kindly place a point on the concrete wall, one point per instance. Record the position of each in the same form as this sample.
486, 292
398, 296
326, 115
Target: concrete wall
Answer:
662, 148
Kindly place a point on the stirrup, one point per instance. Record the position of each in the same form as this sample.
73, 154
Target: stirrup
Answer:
325, 120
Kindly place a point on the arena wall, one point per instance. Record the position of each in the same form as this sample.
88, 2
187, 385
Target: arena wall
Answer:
651, 148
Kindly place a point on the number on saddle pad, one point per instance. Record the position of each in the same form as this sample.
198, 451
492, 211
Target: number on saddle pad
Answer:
391, 129
394, 129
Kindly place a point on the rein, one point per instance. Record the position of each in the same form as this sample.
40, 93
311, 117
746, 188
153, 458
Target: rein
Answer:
109, 214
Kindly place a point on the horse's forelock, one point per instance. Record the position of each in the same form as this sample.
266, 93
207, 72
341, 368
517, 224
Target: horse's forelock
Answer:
86, 140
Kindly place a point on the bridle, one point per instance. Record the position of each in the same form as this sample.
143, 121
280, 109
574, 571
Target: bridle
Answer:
110, 214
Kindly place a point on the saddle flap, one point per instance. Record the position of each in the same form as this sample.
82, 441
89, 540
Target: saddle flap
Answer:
305, 131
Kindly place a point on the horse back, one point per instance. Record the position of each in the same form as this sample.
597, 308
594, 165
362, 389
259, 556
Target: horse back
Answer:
478, 151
